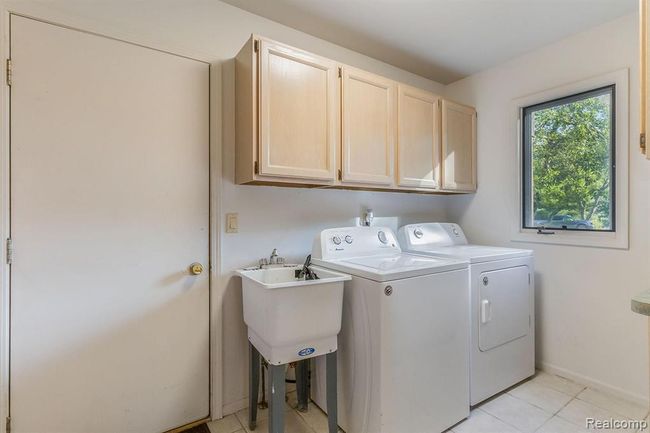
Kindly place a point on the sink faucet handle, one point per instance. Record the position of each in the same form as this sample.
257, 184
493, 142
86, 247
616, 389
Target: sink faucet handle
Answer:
264, 262
274, 257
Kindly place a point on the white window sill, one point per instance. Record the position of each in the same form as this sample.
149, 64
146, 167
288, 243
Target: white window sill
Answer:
612, 240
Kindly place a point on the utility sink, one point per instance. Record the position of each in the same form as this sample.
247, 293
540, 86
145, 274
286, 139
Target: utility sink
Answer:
291, 319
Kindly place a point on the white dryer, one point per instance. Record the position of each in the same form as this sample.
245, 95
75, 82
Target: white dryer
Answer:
402, 349
502, 322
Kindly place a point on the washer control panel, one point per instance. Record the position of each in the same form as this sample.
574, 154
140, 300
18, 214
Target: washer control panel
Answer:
355, 242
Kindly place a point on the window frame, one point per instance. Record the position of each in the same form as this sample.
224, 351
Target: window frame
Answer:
527, 160
617, 239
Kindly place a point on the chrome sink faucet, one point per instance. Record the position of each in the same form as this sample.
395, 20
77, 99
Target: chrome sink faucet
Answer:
274, 259
367, 218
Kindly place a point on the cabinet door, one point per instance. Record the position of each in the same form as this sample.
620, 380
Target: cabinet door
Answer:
458, 147
643, 76
298, 118
418, 138
369, 128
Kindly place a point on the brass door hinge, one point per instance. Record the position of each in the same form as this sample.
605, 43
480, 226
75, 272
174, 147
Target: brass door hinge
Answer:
9, 72
10, 251
642, 141
340, 175
256, 45
340, 72
8, 424
257, 168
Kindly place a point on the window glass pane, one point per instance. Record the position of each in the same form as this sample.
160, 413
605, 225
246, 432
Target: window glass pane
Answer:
569, 162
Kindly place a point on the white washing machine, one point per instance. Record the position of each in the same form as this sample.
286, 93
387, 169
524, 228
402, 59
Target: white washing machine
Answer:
502, 322
402, 349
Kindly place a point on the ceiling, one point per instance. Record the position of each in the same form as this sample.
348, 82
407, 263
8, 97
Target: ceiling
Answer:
443, 40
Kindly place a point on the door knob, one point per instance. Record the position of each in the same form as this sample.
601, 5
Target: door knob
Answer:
196, 268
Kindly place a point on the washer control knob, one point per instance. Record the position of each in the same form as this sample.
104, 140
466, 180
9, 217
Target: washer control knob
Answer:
336, 240
418, 233
455, 231
348, 239
382, 237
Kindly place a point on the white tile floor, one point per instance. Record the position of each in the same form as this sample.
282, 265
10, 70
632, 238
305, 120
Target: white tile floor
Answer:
544, 404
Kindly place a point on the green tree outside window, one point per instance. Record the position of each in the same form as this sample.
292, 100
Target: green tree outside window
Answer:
569, 148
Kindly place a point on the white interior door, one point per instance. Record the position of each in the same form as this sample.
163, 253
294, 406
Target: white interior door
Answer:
109, 206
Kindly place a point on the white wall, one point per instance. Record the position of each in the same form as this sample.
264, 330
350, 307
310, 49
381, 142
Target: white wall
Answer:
269, 217
584, 324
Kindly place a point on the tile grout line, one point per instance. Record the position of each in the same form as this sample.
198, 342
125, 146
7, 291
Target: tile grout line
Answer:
539, 407
502, 420
241, 425
553, 414
520, 399
604, 408
556, 414
575, 397
302, 418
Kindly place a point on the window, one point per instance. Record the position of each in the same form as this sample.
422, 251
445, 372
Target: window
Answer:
569, 155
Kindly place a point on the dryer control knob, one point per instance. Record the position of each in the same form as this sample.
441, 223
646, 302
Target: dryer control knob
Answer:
336, 240
382, 237
348, 239
418, 233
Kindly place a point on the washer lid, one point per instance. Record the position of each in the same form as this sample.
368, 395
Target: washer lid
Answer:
392, 267
473, 253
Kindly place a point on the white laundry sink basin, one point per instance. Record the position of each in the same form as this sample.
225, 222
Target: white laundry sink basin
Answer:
290, 319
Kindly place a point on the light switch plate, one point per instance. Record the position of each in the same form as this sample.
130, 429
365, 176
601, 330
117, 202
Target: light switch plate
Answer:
232, 223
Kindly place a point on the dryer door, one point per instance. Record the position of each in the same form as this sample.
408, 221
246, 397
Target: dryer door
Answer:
504, 304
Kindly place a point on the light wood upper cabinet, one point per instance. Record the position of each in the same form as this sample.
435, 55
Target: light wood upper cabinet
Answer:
304, 120
458, 147
368, 127
293, 99
418, 139
299, 106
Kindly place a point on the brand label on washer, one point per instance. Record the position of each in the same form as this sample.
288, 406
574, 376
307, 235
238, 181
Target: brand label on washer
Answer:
306, 351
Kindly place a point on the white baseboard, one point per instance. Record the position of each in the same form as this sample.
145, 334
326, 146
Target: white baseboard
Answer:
235, 406
594, 383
